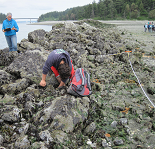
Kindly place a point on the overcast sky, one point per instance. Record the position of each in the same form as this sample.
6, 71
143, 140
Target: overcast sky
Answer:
34, 8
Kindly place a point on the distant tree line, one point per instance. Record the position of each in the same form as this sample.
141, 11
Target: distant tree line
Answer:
106, 9
2, 17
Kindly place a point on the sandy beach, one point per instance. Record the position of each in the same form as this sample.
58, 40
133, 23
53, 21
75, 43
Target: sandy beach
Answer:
116, 22
50, 22
136, 32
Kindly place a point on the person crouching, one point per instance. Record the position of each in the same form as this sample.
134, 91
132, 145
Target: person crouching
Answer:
60, 62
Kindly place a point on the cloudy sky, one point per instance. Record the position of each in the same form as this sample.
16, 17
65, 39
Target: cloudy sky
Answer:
34, 8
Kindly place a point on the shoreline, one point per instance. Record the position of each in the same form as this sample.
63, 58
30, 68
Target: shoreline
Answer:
134, 27
51, 22
116, 22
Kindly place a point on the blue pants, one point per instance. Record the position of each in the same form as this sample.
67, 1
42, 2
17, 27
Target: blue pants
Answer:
12, 42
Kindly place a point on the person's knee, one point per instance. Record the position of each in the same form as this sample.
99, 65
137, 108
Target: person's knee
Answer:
14, 47
14, 44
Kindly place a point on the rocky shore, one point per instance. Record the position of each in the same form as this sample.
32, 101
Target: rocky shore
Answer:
116, 115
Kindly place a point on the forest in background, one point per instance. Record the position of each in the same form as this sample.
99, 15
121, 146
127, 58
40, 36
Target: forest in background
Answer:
105, 10
2, 17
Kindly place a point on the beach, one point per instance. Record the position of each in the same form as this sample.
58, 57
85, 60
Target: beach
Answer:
133, 29
51, 22
118, 114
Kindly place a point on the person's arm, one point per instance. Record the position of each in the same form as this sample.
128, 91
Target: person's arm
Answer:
61, 84
60, 81
43, 81
46, 68
3, 28
15, 27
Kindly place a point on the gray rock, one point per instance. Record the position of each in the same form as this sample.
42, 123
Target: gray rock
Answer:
123, 121
40, 145
33, 91
28, 65
22, 143
151, 139
120, 106
59, 135
91, 57
1, 121
104, 59
28, 46
6, 57
40, 104
23, 130
5, 78
94, 51
65, 113
90, 128
1, 139
46, 136
11, 113
104, 143
7, 100
114, 124
118, 142
37, 36
18, 86
29, 106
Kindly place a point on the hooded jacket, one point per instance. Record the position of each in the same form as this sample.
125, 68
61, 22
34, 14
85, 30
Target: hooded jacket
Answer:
54, 59
10, 24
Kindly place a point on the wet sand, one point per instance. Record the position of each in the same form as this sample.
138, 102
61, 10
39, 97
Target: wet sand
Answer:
136, 30
50, 22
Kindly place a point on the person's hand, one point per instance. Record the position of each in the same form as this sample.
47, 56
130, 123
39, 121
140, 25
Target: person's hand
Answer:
61, 87
3, 30
14, 28
42, 83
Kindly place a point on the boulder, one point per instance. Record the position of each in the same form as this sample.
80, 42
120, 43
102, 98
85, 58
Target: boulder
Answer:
26, 45
59, 135
40, 145
7, 100
22, 143
10, 113
118, 142
104, 59
1, 139
37, 36
46, 136
5, 78
6, 57
90, 128
17, 87
29, 65
64, 113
